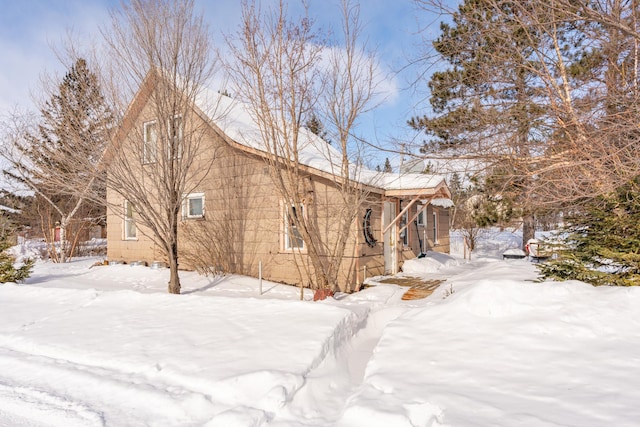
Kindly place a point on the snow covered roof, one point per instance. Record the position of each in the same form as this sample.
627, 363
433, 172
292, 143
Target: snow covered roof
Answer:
410, 181
8, 209
234, 119
442, 202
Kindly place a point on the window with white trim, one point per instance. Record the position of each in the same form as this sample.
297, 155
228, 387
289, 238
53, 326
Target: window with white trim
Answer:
193, 206
150, 144
130, 231
404, 234
435, 227
176, 133
421, 215
292, 236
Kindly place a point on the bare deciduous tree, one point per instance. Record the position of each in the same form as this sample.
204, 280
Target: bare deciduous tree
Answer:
582, 64
58, 156
161, 50
287, 75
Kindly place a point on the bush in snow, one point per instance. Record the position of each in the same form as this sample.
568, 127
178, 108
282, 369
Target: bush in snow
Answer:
448, 292
8, 270
602, 242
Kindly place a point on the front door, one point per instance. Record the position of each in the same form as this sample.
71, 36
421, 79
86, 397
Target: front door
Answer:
389, 239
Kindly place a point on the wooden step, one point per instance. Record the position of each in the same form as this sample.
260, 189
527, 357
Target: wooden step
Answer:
418, 288
416, 293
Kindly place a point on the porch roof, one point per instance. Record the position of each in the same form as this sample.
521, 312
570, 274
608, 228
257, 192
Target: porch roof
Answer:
415, 185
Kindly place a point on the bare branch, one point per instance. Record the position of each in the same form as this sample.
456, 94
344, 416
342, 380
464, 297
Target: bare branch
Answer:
161, 53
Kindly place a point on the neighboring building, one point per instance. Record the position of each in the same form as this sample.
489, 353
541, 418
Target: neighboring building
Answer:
236, 218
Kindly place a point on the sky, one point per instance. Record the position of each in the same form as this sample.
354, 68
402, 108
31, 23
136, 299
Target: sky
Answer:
31, 31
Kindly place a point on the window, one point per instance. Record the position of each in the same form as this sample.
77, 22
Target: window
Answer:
404, 234
292, 236
176, 131
421, 215
150, 145
367, 230
130, 231
435, 228
193, 206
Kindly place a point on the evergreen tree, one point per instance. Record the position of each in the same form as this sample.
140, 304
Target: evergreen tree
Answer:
8, 270
428, 168
486, 102
387, 166
602, 243
315, 126
455, 183
18, 211
61, 160
544, 94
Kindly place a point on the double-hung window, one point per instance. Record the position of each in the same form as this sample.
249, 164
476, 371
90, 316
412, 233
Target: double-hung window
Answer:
421, 215
193, 206
150, 144
292, 236
404, 234
130, 231
435, 228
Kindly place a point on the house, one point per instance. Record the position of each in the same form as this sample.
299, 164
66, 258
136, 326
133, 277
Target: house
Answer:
235, 219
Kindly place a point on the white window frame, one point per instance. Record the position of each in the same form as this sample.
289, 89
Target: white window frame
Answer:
404, 222
186, 211
435, 227
287, 225
422, 213
172, 137
149, 148
129, 221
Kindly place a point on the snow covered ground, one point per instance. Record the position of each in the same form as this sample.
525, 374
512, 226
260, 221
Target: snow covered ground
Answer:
107, 346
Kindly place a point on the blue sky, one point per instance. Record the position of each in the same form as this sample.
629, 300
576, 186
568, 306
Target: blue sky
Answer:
30, 30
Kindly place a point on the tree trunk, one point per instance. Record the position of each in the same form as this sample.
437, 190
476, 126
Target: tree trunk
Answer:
174, 279
322, 281
63, 240
528, 228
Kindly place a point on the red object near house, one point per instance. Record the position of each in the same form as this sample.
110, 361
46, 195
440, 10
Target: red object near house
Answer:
321, 294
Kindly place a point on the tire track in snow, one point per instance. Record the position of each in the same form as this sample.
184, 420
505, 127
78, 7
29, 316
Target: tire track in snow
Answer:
29, 407
66, 394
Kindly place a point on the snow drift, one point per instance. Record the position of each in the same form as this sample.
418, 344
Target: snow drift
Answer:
503, 352
430, 263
